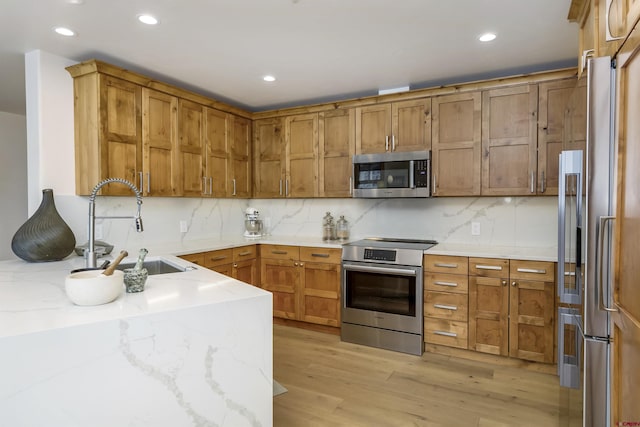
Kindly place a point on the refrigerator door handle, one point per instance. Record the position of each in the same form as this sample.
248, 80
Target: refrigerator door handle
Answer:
569, 365
600, 231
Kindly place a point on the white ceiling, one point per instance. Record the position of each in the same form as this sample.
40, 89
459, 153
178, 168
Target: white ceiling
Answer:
319, 50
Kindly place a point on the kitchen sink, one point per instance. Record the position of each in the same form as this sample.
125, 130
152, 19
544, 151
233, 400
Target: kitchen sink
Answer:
154, 267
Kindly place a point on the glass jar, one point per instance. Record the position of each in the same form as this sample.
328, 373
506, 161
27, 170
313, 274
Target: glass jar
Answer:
328, 227
342, 228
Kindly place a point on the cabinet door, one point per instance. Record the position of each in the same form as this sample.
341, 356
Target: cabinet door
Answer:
268, 148
216, 131
191, 148
320, 293
509, 133
301, 156
226, 269
197, 258
246, 271
336, 147
626, 247
489, 315
556, 98
241, 158
281, 277
159, 136
457, 144
373, 129
411, 125
531, 314
121, 147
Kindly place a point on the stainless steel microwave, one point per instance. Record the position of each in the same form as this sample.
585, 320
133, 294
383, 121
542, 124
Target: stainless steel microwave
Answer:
389, 175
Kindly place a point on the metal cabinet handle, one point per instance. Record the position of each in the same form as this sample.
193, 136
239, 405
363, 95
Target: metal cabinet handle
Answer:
446, 334
301, 264
488, 267
350, 185
386, 143
451, 284
569, 273
245, 253
504, 283
235, 265
280, 187
602, 221
445, 265
218, 258
433, 184
295, 264
514, 284
543, 184
532, 270
148, 182
393, 143
234, 187
279, 252
210, 185
533, 182
141, 186
321, 255
286, 188
446, 307
608, 36
204, 185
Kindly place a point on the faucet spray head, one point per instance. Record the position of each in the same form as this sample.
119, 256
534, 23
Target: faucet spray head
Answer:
139, 227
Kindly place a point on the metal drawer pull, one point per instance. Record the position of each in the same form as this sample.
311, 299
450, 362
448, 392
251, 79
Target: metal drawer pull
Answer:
279, 252
446, 334
445, 265
244, 253
488, 267
453, 285
321, 255
569, 273
446, 307
532, 270
218, 258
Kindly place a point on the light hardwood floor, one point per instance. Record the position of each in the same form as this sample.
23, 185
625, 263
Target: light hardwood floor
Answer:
331, 383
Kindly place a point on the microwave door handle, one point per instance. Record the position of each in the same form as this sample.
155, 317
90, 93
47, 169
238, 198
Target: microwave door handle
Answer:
412, 178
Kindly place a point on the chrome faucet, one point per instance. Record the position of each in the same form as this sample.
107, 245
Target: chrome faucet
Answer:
90, 254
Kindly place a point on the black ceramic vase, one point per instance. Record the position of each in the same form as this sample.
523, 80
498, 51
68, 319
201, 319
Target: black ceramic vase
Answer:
45, 236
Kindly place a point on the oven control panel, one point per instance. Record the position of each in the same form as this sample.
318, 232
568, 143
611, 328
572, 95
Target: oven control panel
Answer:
379, 254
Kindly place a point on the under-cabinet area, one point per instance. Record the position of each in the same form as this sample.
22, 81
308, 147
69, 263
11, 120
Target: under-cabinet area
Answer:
489, 138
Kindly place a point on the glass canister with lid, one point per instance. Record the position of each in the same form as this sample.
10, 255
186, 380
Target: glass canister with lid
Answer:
328, 227
342, 228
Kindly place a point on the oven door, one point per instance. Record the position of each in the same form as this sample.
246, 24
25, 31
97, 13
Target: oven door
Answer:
382, 296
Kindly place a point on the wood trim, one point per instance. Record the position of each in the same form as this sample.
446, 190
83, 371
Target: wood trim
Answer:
308, 326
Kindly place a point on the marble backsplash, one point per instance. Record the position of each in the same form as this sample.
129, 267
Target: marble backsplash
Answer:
504, 221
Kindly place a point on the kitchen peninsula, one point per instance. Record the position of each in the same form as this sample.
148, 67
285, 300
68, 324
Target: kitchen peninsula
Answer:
195, 348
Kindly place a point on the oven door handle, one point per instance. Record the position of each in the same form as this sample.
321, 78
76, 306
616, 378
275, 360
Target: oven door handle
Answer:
372, 269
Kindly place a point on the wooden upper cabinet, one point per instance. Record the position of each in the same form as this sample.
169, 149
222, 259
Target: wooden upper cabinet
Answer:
218, 159
268, 149
509, 134
561, 126
336, 146
301, 142
159, 135
456, 144
398, 126
241, 158
191, 148
584, 13
108, 132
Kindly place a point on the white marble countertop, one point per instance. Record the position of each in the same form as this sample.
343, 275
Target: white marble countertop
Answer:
33, 299
508, 252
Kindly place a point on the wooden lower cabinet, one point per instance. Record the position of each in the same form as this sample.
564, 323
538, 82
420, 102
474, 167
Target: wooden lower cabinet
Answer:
305, 282
446, 300
512, 307
240, 263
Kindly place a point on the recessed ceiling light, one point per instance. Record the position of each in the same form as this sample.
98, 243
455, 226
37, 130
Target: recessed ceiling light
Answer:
269, 79
147, 19
75, 1
64, 31
487, 37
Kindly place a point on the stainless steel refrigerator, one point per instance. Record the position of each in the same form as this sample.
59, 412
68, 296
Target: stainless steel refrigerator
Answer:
585, 208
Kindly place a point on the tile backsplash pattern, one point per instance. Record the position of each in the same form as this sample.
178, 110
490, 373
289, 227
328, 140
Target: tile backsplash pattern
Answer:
504, 221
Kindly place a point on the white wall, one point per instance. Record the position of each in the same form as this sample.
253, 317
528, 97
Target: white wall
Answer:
518, 221
13, 178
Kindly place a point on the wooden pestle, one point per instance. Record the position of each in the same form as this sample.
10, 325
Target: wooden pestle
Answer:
114, 264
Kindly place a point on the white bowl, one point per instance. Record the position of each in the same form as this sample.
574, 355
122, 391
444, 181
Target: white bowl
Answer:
93, 288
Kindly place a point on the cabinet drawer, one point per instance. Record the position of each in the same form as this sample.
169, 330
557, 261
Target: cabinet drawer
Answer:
280, 252
328, 255
440, 282
215, 258
445, 305
446, 264
532, 270
489, 267
244, 252
197, 258
445, 332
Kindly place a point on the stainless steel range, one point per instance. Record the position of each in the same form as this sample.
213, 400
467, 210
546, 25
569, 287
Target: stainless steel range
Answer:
382, 293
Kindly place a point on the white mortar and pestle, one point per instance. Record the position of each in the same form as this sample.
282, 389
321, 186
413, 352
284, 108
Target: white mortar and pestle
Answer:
96, 287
